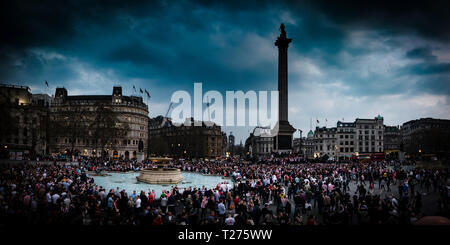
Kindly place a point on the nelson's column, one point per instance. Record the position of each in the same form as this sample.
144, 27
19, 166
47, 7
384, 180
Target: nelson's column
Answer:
283, 130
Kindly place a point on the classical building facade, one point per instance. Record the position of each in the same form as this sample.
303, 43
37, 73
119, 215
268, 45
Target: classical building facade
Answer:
325, 142
363, 138
426, 136
130, 111
260, 142
166, 138
24, 122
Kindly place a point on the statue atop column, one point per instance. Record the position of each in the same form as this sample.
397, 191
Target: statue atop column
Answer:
283, 32
282, 40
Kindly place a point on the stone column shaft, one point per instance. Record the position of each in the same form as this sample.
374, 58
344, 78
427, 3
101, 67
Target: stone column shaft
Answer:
282, 84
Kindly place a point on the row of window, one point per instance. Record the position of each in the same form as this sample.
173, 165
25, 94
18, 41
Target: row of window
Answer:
351, 149
85, 141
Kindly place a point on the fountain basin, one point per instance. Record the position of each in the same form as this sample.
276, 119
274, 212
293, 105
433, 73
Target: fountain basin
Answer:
160, 176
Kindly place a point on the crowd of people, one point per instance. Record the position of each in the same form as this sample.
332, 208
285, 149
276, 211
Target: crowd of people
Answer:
272, 191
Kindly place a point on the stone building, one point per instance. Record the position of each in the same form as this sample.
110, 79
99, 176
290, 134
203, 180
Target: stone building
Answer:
392, 139
166, 138
426, 136
363, 138
260, 142
369, 135
308, 145
24, 124
130, 112
345, 137
325, 142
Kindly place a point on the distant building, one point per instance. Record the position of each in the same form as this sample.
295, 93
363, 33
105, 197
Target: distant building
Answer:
165, 138
362, 138
231, 144
44, 100
392, 139
369, 135
308, 145
297, 146
260, 142
325, 143
130, 110
16, 94
345, 140
426, 136
24, 124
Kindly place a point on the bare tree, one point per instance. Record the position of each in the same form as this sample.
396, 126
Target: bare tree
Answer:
73, 124
106, 128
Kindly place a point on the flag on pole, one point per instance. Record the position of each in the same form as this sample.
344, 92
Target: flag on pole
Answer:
148, 94
140, 89
46, 83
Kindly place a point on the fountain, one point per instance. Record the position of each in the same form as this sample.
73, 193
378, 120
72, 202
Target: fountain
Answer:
161, 175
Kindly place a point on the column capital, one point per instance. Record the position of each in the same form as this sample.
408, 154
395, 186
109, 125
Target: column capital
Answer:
282, 42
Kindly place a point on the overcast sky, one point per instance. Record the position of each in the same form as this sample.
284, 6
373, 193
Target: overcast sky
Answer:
347, 59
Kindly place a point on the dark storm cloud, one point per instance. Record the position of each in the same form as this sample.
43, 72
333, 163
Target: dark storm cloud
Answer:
166, 45
426, 18
427, 69
52, 22
421, 53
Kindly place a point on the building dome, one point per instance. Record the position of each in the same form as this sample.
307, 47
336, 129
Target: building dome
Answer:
310, 134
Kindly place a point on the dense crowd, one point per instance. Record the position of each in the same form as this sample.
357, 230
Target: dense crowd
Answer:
275, 190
